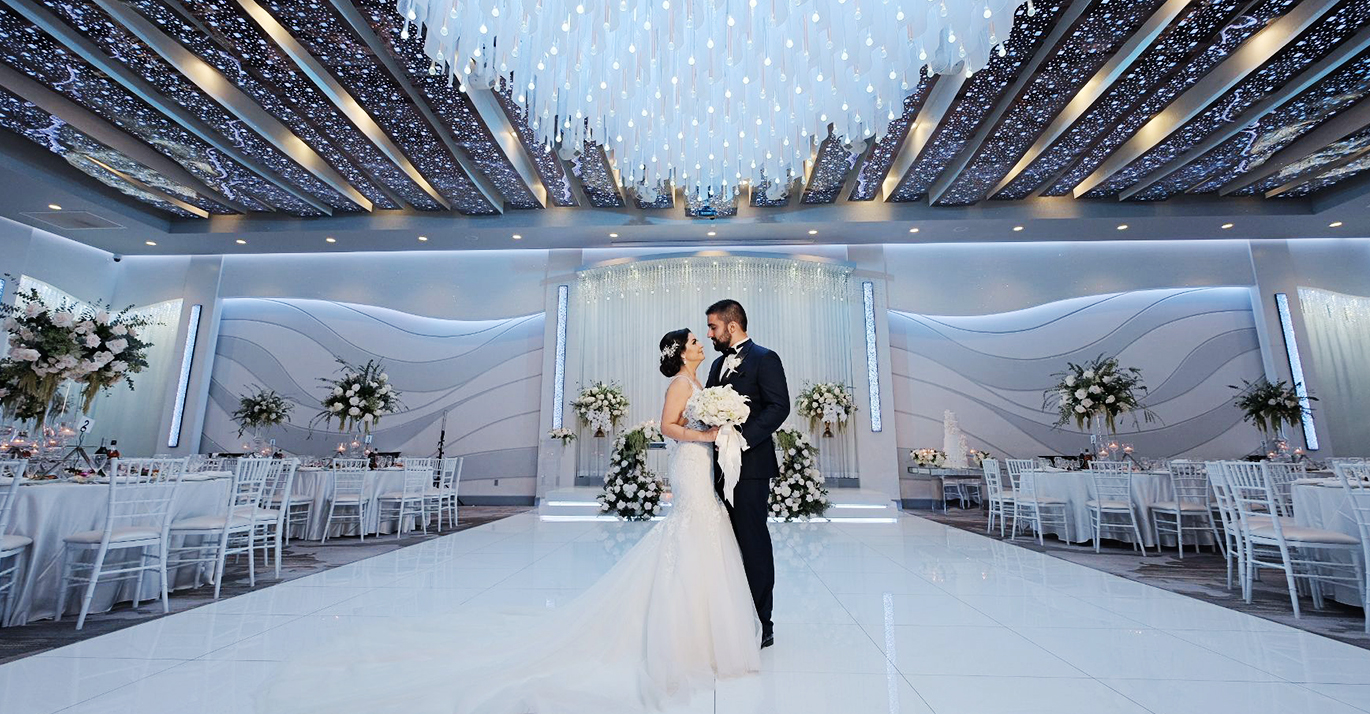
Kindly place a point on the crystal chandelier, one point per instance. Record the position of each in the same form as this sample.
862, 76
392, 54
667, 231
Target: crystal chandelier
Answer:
707, 94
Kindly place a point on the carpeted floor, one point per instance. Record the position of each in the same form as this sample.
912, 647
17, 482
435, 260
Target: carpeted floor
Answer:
1201, 576
299, 559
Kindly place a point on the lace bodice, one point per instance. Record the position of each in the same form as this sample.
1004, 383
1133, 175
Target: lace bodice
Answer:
694, 424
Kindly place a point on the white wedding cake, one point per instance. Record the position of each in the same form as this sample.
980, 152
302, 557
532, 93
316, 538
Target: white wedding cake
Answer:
954, 442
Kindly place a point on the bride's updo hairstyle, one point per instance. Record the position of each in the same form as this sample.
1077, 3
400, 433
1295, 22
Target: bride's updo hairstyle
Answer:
673, 352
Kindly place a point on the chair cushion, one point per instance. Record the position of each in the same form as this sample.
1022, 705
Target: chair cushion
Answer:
208, 523
345, 498
1188, 506
1300, 534
263, 514
14, 542
1109, 505
399, 496
119, 535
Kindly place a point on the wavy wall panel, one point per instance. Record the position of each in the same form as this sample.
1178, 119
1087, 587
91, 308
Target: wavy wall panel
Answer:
1190, 343
486, 374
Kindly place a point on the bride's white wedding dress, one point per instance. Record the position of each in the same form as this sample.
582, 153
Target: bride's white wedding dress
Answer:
674, 613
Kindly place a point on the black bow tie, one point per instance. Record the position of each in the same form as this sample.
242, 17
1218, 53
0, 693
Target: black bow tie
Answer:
732, 351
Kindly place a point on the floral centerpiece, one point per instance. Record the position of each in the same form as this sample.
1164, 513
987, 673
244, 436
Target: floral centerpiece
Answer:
799, 492
359, 398
1095, 394
600, 406
259, 409
631, 490
977, 458
565, 435
724, 408
1269, 405
828, 403
927, 458
49, 345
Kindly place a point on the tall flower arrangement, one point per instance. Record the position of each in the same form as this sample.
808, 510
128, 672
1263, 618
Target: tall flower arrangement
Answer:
826, 403
359, 398
631, 490
600, 406
799, 493
1269, 405
261, 408
50, 345
1096, 393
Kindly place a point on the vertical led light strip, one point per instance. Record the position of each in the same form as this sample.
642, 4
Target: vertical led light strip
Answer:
559, 378
183, 385
1291, 348
872, 362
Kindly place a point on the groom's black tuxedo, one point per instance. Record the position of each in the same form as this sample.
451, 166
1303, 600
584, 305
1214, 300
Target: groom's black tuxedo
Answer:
761, 378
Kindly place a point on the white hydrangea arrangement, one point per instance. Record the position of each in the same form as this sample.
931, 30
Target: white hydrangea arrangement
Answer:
600, 406
826, 403
360, 397
1096, 393
631, 490
565, 435
928, 458
261, 408
799, 493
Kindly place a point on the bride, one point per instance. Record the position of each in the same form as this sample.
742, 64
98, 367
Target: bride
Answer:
671, 616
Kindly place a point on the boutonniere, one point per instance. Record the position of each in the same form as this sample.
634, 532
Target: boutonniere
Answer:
731, 363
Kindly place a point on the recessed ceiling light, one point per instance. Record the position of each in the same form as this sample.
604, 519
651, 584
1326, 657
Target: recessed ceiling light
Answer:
1017, 228
54, 207
813, 233
423, 238
518, 237
1122, 227
913, 230
1334, 224
240, 241
330, 239
1228, 225
711, 233
150, 242
613, 235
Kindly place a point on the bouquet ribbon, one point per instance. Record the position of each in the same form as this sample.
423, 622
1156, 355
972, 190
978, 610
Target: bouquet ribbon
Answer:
729, 443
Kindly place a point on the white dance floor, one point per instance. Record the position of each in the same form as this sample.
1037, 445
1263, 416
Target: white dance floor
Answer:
904, 615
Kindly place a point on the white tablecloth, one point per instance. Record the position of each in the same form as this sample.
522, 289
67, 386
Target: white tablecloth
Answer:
316, 486
48, 511
1324, 506
1076, 488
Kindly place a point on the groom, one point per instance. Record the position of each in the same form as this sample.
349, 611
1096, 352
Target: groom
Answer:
754, 372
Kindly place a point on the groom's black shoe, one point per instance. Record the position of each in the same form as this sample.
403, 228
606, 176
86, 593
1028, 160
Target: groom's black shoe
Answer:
767, 641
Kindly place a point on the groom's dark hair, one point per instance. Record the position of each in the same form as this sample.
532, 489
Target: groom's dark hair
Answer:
730, 311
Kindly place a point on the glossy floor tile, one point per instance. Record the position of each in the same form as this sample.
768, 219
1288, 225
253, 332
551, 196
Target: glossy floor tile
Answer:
909, 617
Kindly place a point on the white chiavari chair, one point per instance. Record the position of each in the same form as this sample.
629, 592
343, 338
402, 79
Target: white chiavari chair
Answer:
295, 510
411, 500
1355, 481
1016, 468
1227, 512
1000, 500
12, 547
234, 529
444, 497
1037, 511
272, 523
1190, 483
142, 493
1294, 548
1282, 477
348, 480
1112, 482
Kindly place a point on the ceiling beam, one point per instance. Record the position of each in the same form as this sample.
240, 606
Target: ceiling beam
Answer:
1343, 53
219, 88
329, 86
1338, 127
1321, 171
1349, 195
102, 131
1253, 53
488, 109
354, 19
87, 51
1060, 30
940, 100
1097, 86
132, 181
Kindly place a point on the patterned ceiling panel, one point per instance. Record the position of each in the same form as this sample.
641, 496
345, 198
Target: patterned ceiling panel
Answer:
124, 46
1150, 83
1310, 168
665, 198
722, 206
326, 36
545, 159
1330, 178
758, 197
591, 166
1272, 132
1344, 20
29, 50
830, 169
451, 106
96, 159
977, 99
877, 165
1093, 39
237, 47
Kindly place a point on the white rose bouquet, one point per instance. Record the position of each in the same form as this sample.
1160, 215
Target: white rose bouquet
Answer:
1268, 405
724, 408
261, 408
631, 490
928, 458
826, 403
1096, 393
799, 493
359, 398
600, 406
565, 435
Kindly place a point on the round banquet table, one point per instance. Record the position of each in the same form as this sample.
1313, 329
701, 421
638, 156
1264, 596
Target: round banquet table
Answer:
1322, 504
316, 486
48, 511
1076, 489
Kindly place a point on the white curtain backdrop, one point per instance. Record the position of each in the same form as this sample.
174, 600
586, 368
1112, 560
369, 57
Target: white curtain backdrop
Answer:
1339, 340
801, 309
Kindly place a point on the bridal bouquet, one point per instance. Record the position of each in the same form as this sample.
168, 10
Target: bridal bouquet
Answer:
799, 492
1267, 405
565, 435
600, 406
927, 458
828, 403
261, 408
631, 490
724, 408
1096, 393
360, 397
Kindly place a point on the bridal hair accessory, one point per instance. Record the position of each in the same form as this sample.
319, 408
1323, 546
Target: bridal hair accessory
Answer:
669, 351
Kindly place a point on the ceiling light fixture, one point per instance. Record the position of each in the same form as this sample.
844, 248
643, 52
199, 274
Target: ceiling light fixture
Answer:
518, 237
1122, 227
423, 238
54, 207
1227, 225
330, 240
813, 233
626, 66
240, 241
150, 242
913, 230
1334, 224
613, 235
1017, 228
711, 233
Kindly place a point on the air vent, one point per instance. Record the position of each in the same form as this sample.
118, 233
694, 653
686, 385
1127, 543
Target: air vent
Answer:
72, 220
